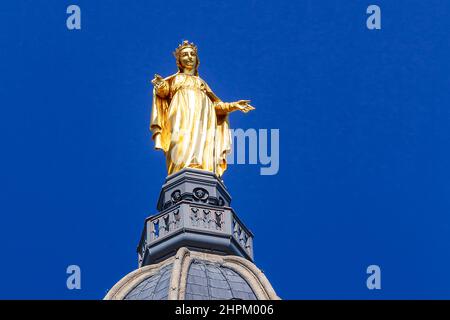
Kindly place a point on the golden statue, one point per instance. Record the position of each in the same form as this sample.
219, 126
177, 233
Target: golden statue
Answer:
189, 122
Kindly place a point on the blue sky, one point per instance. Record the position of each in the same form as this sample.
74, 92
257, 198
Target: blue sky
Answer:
364, 139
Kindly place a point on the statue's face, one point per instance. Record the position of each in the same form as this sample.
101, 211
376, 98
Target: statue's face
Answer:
188, 58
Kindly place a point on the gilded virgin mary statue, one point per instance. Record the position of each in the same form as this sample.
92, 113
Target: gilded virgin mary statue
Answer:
189, 122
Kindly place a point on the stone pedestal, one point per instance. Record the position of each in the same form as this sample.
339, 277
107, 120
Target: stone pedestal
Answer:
194, 211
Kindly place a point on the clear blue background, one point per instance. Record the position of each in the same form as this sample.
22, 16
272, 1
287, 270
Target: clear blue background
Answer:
364, 126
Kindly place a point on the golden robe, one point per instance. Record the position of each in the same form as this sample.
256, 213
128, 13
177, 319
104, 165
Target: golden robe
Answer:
190, 124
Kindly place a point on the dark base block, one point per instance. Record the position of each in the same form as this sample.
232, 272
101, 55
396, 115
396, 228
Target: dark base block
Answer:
194, 212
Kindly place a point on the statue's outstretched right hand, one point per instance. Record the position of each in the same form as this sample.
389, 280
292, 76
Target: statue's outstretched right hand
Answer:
244, 106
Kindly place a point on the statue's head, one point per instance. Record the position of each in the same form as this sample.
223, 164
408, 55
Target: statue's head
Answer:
187, 58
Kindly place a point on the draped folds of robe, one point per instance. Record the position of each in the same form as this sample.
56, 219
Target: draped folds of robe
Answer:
190, 124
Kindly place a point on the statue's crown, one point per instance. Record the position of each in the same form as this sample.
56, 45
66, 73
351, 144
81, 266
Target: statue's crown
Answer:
184, 44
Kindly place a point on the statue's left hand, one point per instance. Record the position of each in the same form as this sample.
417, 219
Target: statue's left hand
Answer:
244, 106
158, 80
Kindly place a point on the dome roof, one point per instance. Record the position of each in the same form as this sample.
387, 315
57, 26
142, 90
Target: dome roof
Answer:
155, 287
191, 275
213, 281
